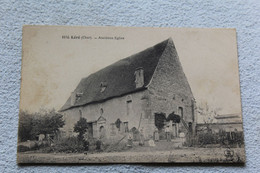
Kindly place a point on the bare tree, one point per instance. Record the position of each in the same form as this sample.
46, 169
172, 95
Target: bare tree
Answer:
207, 113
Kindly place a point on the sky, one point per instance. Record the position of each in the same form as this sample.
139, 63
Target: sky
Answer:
55, 60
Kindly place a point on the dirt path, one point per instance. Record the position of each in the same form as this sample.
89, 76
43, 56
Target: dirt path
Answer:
177, 155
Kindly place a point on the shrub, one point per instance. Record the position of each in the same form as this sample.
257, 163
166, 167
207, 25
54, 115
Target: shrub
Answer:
81, 127
43, 122
223, 138
67, 145
22, 148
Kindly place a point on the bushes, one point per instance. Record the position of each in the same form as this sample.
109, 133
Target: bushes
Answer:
43, 122
71, 145
222, 138
81, 127
116, 147
67, 145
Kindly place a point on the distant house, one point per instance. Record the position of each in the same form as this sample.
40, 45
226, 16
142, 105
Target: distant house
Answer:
129, 94
224, 122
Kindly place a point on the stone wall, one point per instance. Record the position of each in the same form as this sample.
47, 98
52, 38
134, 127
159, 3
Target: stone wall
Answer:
129, 109
169, 89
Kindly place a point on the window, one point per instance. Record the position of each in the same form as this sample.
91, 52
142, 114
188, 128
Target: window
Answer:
102, 132
180, 111
129, 105
192, 110
101, 111
126, 127
139, 77
190, 127
103, 86
128, 98
78, 95
129, 108
80, 113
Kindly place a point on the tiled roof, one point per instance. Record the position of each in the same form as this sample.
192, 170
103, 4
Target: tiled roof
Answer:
119, 78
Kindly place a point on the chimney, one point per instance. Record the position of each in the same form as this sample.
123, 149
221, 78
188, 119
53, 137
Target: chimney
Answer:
73, 98
139, 77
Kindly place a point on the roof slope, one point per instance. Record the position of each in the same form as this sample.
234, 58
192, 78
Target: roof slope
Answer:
119, 77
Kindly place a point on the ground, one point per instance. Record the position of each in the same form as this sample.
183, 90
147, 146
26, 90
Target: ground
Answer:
163, 152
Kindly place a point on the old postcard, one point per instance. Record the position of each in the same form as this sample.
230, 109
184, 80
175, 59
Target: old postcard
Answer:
125, 95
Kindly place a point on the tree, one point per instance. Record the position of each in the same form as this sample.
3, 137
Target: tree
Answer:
25, 126
159, 120
174, 117
207, 113
47, 122
43, 122
81, 127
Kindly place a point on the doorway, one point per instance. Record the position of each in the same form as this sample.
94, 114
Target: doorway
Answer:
102, 132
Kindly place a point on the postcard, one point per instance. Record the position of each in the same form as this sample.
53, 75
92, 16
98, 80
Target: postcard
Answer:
129, 95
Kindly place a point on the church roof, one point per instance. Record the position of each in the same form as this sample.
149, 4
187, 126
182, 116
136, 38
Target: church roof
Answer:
118, 78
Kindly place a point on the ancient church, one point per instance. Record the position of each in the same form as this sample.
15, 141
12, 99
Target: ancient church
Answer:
134, 94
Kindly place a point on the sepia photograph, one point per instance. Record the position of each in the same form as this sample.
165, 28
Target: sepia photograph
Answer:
129, 95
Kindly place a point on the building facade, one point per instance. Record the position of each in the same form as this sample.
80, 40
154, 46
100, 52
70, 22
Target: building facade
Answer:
129, 94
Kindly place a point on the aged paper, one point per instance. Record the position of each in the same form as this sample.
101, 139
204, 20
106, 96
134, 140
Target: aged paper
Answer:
121, 94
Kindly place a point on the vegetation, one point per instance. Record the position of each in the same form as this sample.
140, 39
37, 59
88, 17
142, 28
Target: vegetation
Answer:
65, 145
43, 122
159, 120
175, 118
207, 113
223, 138
81, 127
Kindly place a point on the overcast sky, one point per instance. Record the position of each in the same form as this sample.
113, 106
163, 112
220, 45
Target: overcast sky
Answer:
52, 67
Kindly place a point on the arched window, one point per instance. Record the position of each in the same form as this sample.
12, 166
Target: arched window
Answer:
101, 128
102, 132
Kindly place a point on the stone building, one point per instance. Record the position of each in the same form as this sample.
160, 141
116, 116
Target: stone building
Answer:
131, 93
224, 122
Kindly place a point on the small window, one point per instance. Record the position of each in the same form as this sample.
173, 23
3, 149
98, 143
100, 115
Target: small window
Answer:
80, 113
78, 95
129, 98
103, 86
139, 77
101, 111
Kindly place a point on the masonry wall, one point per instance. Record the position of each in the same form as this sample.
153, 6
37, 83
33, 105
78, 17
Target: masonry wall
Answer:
113, 109
70, 116
169, 88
